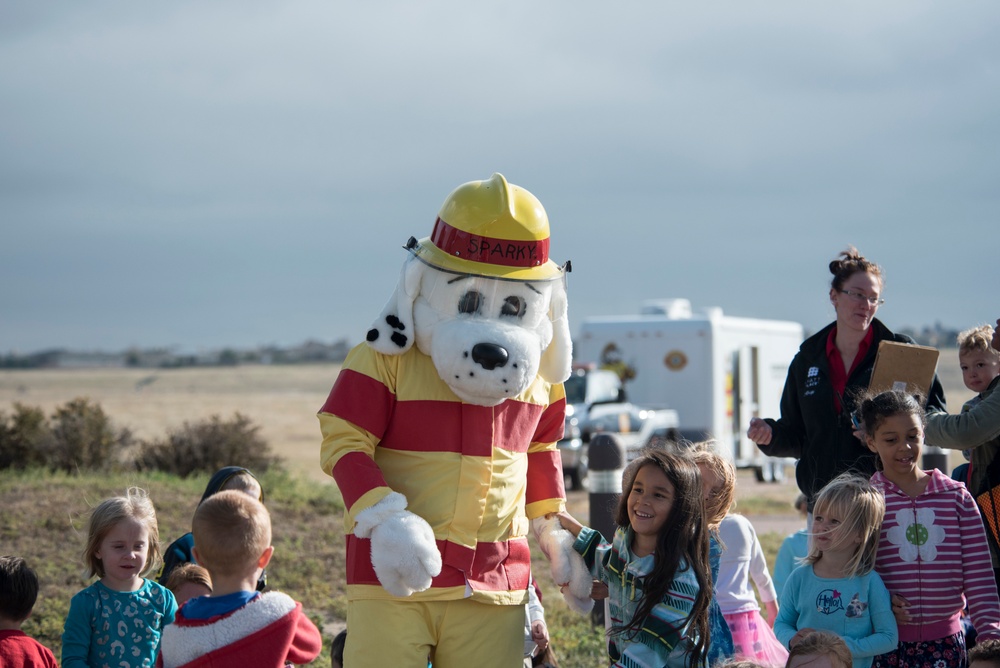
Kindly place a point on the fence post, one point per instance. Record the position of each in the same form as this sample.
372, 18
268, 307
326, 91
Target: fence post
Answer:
604, 476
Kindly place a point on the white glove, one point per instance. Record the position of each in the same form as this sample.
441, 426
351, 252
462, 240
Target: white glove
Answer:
404, 552
567, 566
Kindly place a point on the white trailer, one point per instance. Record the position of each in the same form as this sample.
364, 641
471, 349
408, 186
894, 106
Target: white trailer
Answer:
716, 371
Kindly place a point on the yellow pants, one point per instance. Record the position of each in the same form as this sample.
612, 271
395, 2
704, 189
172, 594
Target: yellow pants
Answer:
453, 634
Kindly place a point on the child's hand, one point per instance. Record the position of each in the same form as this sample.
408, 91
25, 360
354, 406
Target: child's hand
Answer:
540, 634
799, 636
568, 568
771, 607
901, 609
599, 591
569, 523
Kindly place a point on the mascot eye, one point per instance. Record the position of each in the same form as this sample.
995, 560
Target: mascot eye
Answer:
514, 307
470, 302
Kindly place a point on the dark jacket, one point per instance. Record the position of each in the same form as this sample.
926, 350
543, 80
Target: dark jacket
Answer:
179, 551
810, 429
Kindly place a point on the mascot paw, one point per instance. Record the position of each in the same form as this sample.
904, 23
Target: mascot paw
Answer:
581, 606
403, 549
567, 566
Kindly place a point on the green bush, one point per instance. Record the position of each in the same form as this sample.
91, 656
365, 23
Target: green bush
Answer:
21, 437
77, 436
82, 437
207, 446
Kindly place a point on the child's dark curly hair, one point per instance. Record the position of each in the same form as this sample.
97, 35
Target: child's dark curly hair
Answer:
874, 407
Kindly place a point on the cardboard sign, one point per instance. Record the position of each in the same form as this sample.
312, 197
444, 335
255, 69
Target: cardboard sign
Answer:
904, 366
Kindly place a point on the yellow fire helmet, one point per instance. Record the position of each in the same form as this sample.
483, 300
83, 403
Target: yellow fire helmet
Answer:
490, 228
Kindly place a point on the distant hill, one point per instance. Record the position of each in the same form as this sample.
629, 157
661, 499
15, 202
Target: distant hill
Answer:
310, 351
164, 358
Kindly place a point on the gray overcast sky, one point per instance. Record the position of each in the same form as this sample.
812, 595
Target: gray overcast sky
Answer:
240, 173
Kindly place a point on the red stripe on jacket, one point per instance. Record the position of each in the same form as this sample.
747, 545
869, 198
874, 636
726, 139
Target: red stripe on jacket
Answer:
356, 473
545, 477
499, 566
361, 400
511, 426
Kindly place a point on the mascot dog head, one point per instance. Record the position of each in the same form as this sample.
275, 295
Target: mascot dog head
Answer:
480, 296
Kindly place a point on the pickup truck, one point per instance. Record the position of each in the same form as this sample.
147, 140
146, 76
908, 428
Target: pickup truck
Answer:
596, 402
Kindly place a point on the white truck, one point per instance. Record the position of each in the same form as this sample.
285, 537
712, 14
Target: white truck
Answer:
716, 371
596, 402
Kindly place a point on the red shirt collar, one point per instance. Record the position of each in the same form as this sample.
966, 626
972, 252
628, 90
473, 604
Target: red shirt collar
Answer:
838, 377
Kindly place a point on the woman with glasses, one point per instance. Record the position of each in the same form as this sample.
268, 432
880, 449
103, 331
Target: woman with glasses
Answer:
831, 368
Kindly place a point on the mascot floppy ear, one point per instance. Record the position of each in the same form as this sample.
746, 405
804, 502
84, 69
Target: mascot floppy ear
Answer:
556, 363
392, 333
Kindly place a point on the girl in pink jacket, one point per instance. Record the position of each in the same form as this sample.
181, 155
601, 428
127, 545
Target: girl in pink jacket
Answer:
932, 555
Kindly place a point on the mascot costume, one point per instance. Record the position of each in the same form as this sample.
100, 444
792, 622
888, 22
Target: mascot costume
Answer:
441, 434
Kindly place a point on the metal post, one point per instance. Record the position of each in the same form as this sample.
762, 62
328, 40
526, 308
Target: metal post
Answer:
936, 458
607, 462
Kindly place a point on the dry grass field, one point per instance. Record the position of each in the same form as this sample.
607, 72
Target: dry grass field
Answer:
283, 400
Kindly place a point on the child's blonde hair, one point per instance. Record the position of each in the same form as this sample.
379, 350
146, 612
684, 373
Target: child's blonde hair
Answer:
986, 651
231, 531
188, 572
823, 643
977, 339
861, 508
717, 507
135, 505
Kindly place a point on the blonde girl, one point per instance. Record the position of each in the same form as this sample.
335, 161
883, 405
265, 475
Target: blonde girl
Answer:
836, 588
718, 486
117, 620
741, 560
932, 553
656, 568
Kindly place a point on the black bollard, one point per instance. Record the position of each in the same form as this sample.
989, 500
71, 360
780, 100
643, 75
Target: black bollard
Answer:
607, 462
935, 458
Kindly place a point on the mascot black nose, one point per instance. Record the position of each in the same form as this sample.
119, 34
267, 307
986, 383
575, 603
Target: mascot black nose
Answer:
489, 355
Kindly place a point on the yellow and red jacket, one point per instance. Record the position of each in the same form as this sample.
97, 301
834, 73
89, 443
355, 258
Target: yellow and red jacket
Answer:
476, 474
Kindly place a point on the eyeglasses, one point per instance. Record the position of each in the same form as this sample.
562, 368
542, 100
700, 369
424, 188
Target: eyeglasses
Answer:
858, 297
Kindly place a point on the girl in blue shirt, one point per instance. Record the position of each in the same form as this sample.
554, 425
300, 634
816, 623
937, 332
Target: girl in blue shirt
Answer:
836, 588
117, 621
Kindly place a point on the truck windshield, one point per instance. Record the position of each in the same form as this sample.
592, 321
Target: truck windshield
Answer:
576, 389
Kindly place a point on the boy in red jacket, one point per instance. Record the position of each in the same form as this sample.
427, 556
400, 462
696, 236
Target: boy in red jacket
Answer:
236, 625
18, 592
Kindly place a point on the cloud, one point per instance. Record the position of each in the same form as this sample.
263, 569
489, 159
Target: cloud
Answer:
196, 173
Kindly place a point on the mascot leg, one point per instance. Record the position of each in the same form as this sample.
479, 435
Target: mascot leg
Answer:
388, 633
457, 634
480, 634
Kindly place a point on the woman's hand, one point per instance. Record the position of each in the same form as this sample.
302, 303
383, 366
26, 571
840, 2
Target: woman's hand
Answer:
759, 432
